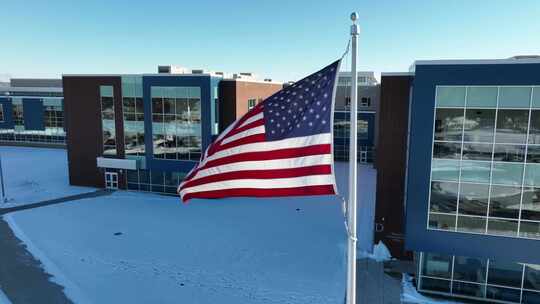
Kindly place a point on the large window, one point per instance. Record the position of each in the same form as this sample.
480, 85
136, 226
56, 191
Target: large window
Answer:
251, 103
176, 123
107, 120
53, 117
479, 279
1, 112
485, 168
154, 181
341, 137
18, 113
133, 111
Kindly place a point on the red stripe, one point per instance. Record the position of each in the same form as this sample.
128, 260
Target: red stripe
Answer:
297, 191
261, 174
253, 124
268, 155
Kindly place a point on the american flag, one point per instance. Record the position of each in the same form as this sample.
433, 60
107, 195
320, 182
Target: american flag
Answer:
281, 147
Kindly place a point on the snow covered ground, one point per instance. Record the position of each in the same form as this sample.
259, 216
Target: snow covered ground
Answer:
3, 298
139, 247
35, 174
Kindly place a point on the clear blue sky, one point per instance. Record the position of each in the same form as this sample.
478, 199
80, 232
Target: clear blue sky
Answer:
281, 39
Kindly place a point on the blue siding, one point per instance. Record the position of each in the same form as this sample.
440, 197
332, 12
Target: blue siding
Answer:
33, 114
205, 83
418, 238
8, 113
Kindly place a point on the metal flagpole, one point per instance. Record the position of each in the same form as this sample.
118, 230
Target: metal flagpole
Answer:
351, 210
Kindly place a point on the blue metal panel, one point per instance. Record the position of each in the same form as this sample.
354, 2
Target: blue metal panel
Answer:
33, 114
204, 82
7, 123
418, 237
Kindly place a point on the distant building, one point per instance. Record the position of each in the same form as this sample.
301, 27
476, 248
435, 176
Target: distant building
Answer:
367, 108
468, 179
31, 112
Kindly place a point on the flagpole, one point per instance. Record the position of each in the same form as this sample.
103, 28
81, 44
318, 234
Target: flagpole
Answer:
351, 210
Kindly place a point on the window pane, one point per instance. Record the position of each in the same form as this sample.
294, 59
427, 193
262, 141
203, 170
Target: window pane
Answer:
475, 171
507, 173
449, 124
157, 105
512, 126
536, 97
442, 221
514, 97
509, 153
502, 227
450, 96
471, 224
443, 197
504, 201
531, 204
503, 294
479, 125
532, 175
529, 230
445, 170
531, 297
534, 132
446, 150
435, 285
473, 199
533, 154
470, 269
505, 273
437, 265
468, 289
532, 277
483, 97
477, 151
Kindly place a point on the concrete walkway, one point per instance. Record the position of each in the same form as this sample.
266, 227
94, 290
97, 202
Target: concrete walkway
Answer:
22, 277
374, 286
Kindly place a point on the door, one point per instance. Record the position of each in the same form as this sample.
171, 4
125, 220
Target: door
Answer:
363, 156
111, 180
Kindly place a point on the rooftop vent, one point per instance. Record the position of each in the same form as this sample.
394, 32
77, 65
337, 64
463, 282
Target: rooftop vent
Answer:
519, 57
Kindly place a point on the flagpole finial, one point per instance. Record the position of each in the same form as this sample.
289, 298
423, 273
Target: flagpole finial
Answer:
354, 17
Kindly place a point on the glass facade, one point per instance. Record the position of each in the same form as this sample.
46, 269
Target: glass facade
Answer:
485, 171
478, 279
107, 120
53, 131
176, 123
341, 138
133, 111
154, 181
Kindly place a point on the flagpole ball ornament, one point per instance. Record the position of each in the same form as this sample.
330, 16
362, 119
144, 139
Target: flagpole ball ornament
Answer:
355, 29
354, 17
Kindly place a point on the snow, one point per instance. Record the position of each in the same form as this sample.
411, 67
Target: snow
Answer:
241, 250
380, 253
410, 295
3, 298
35, 174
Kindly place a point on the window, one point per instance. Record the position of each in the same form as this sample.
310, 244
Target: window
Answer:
485, 168
365, 102
176, 122
251, 103
347, 102
1, 112
18, 113
107, 120
133, 111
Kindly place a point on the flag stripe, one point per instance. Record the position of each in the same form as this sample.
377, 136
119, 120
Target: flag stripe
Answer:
295, 162
291, 182
240, 192
252, 119
260, 174
244, 133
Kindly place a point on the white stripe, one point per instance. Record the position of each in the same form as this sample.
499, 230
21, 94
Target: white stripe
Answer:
295, 142
290, 182
286, 163
252, 119
248, 132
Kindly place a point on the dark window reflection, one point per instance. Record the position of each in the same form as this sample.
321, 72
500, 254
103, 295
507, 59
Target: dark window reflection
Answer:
532, 277
468, 289
449, 124
473, 199
442, 221
469, 269
533, 154
531, 297
531, 204
512, 126
437, 265
505, 201
447, 150
443, 197
509, 153
505, 273
503, 294
534, 132
477, 151
435, 285
479, 125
